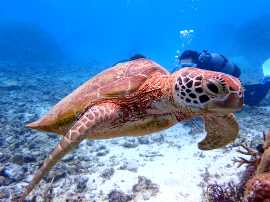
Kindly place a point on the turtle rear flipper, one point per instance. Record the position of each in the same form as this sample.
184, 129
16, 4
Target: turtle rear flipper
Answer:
93, 117
221, 130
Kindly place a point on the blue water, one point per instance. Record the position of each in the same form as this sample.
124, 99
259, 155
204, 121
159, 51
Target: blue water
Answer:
50, 47
102, 32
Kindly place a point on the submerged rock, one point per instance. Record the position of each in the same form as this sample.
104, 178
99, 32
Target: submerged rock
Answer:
102, 153
158, 138
75, 197
23, 158
118, 196
131, 165
4, 157
101, 150
13, 172
216, 193
81, 183
68, 157
55, 175
145, 188
4, 181
4, 194
9, 85
144, 140
107, 173
130, 143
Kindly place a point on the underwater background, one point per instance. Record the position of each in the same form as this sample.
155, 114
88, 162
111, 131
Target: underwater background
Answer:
48, 48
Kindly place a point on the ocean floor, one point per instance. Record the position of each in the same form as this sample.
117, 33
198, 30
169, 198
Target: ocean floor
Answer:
165, 166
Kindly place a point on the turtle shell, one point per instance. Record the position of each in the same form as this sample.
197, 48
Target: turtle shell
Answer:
117, 81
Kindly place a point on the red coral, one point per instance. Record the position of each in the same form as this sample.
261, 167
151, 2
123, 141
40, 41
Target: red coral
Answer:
258, 188
255, 181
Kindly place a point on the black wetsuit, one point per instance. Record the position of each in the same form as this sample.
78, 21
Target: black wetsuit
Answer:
255, 93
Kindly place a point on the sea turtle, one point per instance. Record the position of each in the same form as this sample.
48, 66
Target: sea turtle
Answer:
139, 97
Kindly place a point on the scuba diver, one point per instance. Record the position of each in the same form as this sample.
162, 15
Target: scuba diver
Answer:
133, 57
253, 94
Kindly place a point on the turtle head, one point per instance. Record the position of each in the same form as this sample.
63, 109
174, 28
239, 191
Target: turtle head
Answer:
207, 91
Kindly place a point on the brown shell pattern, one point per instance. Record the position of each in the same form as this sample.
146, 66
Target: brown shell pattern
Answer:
117, 81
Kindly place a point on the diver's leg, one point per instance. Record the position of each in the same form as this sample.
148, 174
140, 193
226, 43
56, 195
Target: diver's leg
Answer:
255, 93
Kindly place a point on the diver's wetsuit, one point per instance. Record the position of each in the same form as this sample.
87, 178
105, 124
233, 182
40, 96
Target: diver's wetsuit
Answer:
254, 93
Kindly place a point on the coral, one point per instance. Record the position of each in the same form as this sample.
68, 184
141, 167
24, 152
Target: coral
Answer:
118, 196
254, 183
264, 165
258, 188
218, 193
144, 189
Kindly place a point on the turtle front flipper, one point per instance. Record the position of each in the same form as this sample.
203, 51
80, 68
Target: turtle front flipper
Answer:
93, 117
221, 130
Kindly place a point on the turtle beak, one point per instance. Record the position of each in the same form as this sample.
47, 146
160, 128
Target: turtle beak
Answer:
232, 103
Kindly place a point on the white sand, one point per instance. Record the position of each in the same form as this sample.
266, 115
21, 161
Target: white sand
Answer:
179, 171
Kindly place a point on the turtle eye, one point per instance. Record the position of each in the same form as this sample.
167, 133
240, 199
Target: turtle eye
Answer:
213, 87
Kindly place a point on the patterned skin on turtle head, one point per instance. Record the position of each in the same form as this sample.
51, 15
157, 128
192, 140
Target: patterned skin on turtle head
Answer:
207, 91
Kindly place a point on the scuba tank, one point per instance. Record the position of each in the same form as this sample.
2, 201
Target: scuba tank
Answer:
217, 62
